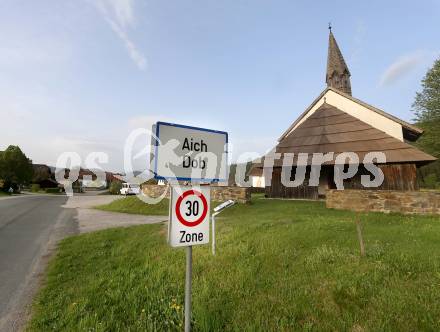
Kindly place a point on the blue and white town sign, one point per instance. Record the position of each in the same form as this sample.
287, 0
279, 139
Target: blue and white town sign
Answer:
187, 153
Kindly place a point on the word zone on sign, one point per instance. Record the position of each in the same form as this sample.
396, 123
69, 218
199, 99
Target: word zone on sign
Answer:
189, 222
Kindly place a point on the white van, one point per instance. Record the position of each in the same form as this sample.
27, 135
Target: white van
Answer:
130, 189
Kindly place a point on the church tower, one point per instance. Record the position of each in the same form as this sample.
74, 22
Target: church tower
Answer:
338, 75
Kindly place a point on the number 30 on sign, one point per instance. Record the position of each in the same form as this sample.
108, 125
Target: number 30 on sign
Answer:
189, 222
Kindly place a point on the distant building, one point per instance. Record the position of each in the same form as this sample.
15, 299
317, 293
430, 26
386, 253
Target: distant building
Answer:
88, 179
337, 122
43, 176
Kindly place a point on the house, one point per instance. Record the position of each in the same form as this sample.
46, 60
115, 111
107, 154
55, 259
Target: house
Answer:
112, 177
44, 176
337, 122
87, 178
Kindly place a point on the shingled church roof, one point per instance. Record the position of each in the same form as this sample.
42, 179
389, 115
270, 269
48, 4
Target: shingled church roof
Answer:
329, 129
338, 75
410, 132
335, 60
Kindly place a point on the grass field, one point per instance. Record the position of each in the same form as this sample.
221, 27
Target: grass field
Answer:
131, 204
280, 266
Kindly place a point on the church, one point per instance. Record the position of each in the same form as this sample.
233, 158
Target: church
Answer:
337, 122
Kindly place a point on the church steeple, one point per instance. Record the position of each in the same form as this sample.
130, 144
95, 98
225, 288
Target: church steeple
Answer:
338, 75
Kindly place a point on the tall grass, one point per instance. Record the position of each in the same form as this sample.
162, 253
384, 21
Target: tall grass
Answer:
280, 266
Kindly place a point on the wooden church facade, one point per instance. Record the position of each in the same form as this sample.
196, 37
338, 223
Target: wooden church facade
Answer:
336, 122
402, 177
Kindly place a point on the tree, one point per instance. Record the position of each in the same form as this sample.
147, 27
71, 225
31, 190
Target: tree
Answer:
115, 187
15, 167
41, 173
427, 110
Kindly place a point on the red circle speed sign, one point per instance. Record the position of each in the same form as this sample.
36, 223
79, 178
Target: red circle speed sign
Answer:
204, 208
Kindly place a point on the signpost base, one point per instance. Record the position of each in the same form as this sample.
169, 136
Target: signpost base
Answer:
213, 233
188, 280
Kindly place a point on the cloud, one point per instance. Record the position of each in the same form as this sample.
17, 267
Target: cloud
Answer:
122, 10
402, 66
57, 145
119, 14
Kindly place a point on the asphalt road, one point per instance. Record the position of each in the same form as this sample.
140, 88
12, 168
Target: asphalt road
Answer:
30, 226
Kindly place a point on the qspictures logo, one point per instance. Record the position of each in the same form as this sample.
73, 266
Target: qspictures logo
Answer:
297, 169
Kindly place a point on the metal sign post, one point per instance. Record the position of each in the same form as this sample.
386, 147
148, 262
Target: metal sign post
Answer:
213, 232
188, 281
217, 211
185, 153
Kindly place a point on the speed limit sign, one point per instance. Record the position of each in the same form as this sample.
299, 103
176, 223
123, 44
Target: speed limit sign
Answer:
189, 222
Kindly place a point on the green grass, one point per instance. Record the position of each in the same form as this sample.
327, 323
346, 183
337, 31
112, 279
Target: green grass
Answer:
134, 205
280, 266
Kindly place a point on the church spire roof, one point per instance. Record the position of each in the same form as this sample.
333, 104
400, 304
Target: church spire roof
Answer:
338, 75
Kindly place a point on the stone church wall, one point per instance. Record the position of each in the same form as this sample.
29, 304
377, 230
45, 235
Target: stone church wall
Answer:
218, 193
407, 202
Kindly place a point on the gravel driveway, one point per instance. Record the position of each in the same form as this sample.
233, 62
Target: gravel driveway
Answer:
90, 219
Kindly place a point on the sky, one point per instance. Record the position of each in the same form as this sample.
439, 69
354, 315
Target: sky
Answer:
80, 75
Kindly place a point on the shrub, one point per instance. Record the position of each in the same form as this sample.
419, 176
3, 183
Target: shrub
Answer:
431, 181
52, 190
115, 186
35, 187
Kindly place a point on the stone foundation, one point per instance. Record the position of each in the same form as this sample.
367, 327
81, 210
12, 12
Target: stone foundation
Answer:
238, 194
218, 193
155, 191
407, 202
